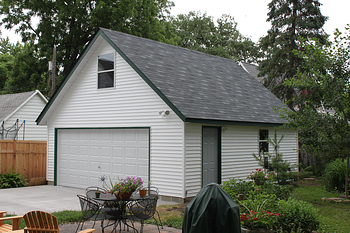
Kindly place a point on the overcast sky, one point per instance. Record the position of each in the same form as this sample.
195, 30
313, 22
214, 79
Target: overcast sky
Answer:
250, 15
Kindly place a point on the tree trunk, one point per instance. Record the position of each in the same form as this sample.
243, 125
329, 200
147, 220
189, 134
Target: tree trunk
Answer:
347, 176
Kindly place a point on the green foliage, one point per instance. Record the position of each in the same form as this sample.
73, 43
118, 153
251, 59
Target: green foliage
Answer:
70, 25
334, 176
297, 216
290, 21
234, 187
247, 188
323, 84
199, 32
68, 216
12, 180
277, 167
257, 210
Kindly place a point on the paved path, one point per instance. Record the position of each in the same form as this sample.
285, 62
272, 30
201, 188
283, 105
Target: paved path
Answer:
50, 199
46, 198
70, 228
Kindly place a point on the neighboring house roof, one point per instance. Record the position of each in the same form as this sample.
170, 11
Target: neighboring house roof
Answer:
198, 87
10, 103
252, 69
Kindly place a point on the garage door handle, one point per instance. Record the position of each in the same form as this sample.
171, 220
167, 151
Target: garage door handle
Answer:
99, 167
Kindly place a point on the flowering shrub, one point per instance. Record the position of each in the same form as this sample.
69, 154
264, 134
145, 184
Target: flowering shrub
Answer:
259, 210
258, 174
128, 185
263, 219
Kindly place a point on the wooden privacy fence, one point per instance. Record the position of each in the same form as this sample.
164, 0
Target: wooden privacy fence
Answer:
25, 157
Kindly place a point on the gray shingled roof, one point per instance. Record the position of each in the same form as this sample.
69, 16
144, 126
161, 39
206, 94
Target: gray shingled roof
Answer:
199, 85
10, 102
253, 70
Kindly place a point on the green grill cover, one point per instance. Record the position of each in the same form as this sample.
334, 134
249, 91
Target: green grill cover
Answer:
211, 211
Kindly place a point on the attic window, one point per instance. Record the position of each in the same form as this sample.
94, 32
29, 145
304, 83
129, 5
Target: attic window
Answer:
106, 71
263, 140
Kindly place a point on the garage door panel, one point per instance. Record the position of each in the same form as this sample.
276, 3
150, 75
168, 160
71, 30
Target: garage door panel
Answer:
106, 167
94, 136
130, 169
118, 152
94, 151
94, 166
143, 153
106, 151
73, 150
83, 150
83, 166
130, 152
106, 137
90, 153
118, 168
73, 164
142, 170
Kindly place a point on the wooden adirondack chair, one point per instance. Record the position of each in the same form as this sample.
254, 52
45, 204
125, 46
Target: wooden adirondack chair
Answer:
16, 221
39, 221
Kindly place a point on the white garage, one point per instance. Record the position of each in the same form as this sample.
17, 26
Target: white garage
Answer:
84, 155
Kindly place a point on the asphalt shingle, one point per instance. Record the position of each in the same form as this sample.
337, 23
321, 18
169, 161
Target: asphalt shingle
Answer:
201, 86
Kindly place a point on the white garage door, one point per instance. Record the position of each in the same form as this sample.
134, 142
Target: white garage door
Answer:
84, 155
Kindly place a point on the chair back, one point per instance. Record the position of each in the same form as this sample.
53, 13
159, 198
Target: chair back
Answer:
144, 208
39, 221
89, 207
153, 191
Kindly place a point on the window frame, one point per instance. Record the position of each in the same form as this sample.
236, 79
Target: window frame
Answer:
263, 141
101, 72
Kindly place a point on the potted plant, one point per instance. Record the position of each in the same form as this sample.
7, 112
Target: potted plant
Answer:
124, 188
97, 194
258, 176
143, 191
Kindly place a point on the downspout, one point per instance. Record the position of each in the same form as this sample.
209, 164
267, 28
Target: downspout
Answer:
184, 192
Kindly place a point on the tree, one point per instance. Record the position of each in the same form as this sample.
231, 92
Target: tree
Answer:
291, 20
324, 85
20, 68
28, 71
71, 24
199, 32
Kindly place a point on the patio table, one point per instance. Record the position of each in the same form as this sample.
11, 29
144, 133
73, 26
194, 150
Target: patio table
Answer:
118, 208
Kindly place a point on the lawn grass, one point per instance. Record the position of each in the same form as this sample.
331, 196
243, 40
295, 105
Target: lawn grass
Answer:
334, 216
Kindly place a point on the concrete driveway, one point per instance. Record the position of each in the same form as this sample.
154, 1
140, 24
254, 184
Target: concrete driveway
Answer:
46, 198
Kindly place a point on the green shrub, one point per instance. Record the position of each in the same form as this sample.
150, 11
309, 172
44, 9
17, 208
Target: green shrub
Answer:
297, 216
258, 210
12, 180
234, 187
334, 175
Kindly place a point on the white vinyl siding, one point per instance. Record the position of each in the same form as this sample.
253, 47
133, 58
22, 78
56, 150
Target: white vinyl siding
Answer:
29, 112
238, 145
240, 142
193, 139
132, 103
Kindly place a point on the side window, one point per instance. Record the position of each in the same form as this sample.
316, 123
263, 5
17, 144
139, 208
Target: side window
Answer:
106, 71
263, 143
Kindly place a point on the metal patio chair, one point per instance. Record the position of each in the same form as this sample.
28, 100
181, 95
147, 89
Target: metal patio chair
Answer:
95, 211
143, 209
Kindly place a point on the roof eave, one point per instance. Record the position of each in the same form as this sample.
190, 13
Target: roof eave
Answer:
223, 122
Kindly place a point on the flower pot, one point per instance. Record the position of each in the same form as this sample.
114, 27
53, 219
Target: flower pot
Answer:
97, 194
143, 192
255, 230
259, 181
123, 196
